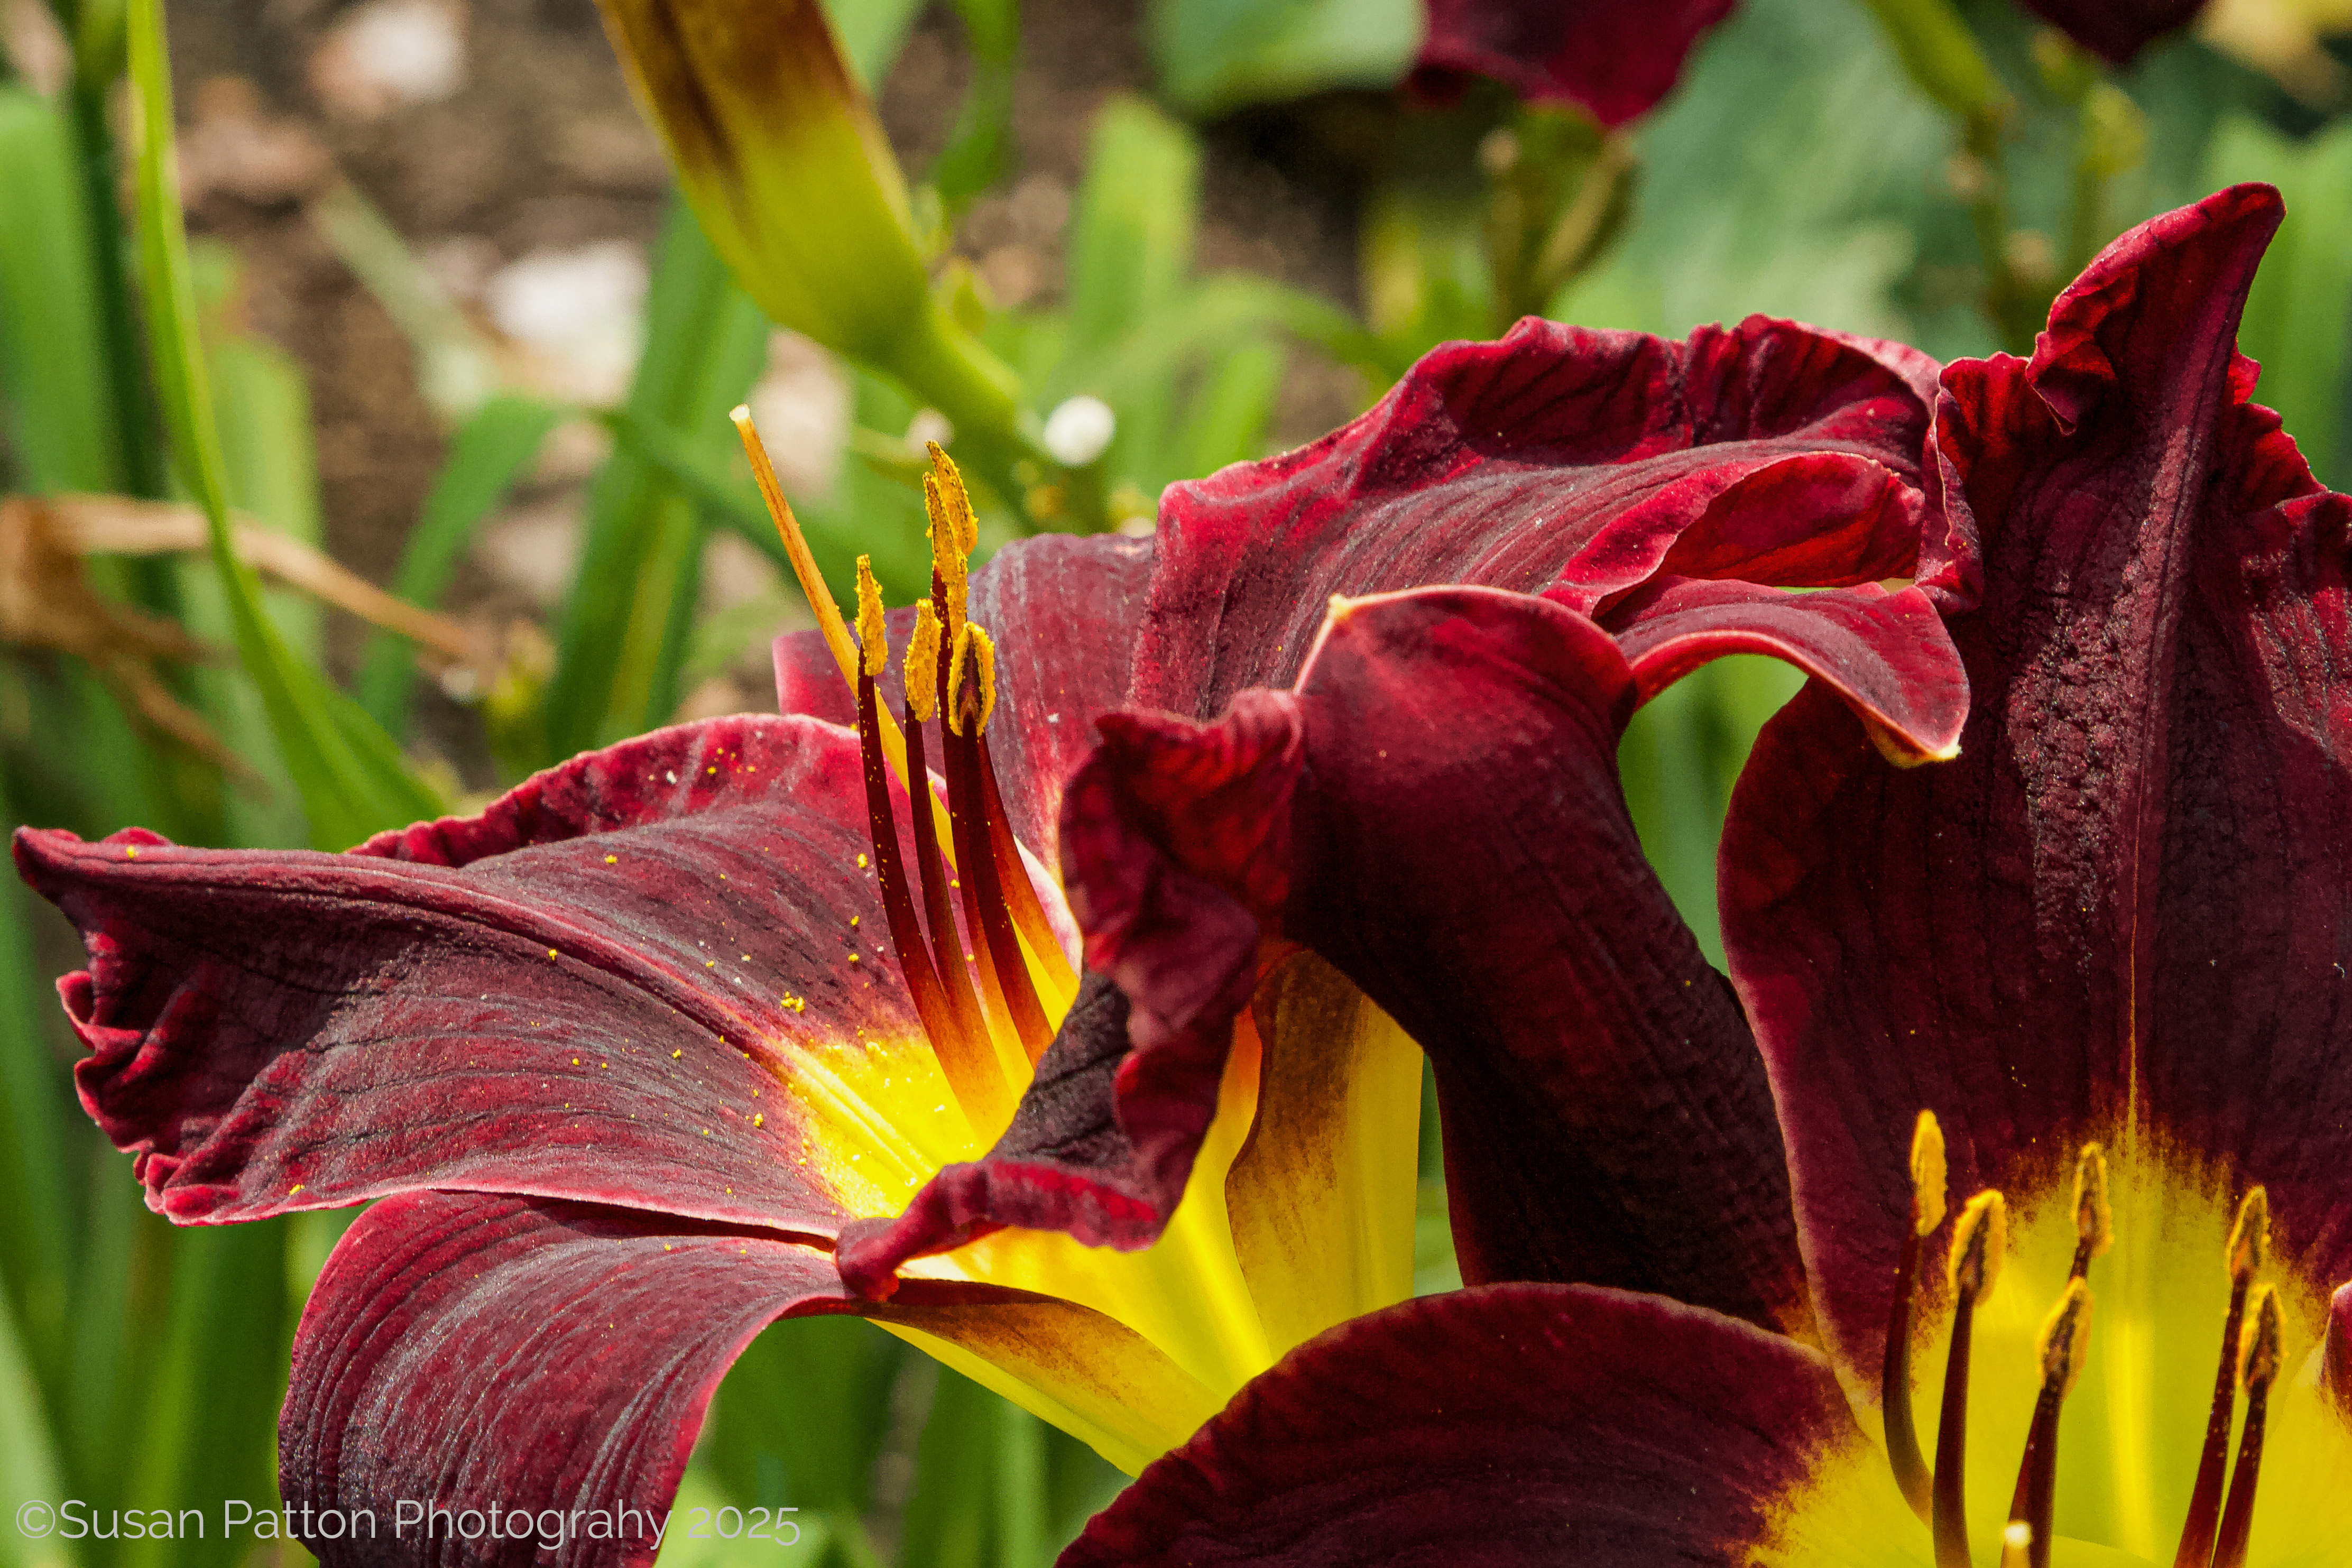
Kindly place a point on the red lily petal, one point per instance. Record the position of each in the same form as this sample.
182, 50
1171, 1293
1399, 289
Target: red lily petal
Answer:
2115, 30
1510, 1424
1579, 463
463, 1349
1063, 612
2129, 895
1885, 653
579, 993
1616, 58
1436, 811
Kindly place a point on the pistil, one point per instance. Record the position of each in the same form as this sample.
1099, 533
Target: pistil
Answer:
1928, 1178
2258, 1365
2249, 1237
1980, 1237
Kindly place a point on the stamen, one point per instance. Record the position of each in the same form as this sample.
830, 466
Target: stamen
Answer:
1006, 976
2095, 1218
1928, 1178
1980, 1237
966, 1058
2250, 1236
946, 939
2258, 1367
2062, 1347
923, 657
2017, 1539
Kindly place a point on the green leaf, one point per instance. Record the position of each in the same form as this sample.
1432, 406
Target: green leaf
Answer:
2298, 321
28, 1463
1230, 414
872, 32
950, 1518
34, 1087
803, 1415
1214, 56
208, 1420
352, 784
1130, 242
486, 454
54, 393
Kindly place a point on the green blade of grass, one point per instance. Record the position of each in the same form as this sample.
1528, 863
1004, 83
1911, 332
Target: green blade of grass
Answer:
53, 386
705, 342
352, 782
28, 1464
489, 450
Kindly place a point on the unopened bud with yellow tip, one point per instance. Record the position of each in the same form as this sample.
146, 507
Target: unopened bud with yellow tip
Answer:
780, 152
1928, 1174
1979, 1240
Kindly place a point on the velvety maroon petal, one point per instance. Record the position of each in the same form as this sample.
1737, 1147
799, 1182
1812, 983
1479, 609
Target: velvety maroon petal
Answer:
1436, 810
1582, 464
605, 987
1616, 58
2336, 1355
2131, 896
1063, 612
464, 1350
1512, 1425
2115, 30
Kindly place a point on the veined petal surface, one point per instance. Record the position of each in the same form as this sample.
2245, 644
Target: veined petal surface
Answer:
1586, 466
654, 976
2124, 911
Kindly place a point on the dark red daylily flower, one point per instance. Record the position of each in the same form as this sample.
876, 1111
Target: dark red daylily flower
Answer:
1615, 58
2104, 950
625, 1056
2115, 30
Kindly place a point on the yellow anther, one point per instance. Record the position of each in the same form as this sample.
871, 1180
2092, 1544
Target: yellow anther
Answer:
2016, 1544
2250, 1235
873, 640
1980, 1237
2260, 1342
1928, 1173
975, 655
923, 664
2095, 1217
958, 499
2066, 1342
954, 531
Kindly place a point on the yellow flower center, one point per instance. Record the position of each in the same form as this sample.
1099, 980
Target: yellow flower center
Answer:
2113, 1350
1299, 1211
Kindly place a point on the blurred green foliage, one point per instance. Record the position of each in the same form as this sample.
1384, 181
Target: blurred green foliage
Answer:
1859, 166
